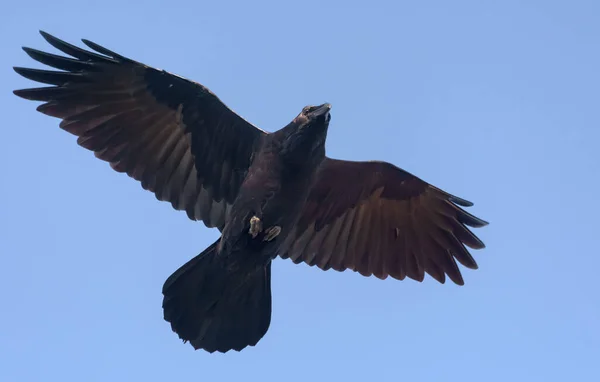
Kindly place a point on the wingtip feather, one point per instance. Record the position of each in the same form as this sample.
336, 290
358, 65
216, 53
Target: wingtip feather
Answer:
22, 71
460, 201
47, 36
102, 50
483, 222
27, 94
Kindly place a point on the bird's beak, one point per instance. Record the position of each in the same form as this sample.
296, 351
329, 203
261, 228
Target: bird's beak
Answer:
322, 110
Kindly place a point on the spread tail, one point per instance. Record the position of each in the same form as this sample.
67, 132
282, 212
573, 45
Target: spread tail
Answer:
216, 308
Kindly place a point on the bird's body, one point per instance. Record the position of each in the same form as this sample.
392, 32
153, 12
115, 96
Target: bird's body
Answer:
276, 187
270, 194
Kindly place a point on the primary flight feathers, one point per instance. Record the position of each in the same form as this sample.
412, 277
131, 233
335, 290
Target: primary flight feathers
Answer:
132, 116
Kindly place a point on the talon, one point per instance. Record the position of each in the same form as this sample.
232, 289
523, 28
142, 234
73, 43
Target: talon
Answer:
272, 233
255, 226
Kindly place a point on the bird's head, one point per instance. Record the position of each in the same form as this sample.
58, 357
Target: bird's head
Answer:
317, 116
306, 134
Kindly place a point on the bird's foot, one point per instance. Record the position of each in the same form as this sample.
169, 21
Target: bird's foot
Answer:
272, 233
255, 226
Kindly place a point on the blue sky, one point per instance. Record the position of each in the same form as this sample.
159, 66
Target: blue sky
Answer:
496, 102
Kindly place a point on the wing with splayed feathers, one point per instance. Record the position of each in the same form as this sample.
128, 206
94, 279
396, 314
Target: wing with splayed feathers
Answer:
173, 135
377, 219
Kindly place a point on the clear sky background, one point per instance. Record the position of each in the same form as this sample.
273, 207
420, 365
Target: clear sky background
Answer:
494, 101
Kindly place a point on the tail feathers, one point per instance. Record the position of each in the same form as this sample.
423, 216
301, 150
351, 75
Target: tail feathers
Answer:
215, 308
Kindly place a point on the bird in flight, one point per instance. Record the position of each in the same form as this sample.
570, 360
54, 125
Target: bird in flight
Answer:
269, 194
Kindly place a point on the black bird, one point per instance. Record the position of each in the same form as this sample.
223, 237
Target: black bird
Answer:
270, 194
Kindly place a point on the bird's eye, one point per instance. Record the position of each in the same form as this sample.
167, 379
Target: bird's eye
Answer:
309, 109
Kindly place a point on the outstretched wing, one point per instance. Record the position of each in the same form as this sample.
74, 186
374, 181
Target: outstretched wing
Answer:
377, 219
173, 135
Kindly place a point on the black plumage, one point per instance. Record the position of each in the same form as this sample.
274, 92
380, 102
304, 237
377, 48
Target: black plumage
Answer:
270, 194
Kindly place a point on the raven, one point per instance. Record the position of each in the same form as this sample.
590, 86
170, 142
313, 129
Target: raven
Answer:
269, 194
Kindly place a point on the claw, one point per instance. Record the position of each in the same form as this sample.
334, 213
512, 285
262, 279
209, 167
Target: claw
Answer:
272, 233
255, 226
